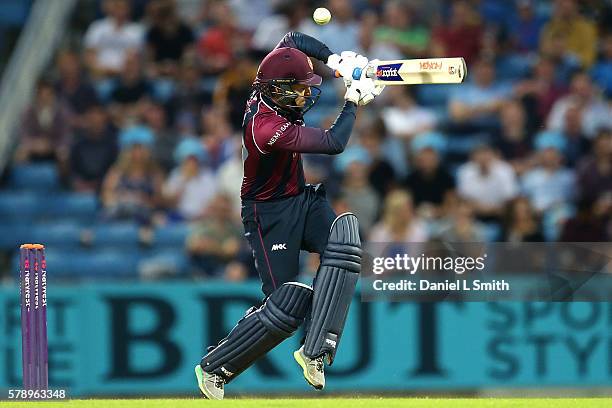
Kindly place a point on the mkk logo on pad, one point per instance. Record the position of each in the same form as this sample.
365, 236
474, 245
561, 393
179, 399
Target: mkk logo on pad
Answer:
279, 247
389, 72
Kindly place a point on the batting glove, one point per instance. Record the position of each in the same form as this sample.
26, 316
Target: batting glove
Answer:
345, 63
363, 90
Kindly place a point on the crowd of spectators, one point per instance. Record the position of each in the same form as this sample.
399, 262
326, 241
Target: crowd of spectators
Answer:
146, 113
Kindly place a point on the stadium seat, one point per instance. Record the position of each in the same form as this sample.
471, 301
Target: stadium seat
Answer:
75, 205
116, 234
54, 234
88, 264
18, 205
173, 235
35, 177
13, 234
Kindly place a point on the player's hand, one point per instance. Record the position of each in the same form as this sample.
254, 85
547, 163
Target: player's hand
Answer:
378, 87
345, 64
363, 90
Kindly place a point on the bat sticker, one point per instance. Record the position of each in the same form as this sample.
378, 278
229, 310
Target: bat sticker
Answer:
389, 72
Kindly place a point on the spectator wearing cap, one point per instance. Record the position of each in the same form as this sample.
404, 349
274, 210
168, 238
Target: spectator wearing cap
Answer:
132, 187
487, 183
549, 184
595, 170
579, 34
399, 223
478, 103
402, 116
595, 112
45, 128
107, 41
430, 183
191, 185
355, 189
94, 150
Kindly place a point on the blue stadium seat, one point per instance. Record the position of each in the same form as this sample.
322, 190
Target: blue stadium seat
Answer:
116, 234
173, 235
19, 205
13, 234
88, 264
35, 177
57, 234
75, 205
112, 264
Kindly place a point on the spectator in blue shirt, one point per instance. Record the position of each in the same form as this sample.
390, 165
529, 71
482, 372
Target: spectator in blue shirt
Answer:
550, 183
479, 101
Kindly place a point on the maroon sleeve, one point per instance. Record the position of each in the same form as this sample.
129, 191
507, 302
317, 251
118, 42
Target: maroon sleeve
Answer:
273, 132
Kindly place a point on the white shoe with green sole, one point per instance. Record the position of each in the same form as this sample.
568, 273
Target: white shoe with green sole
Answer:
312, 367
211, 385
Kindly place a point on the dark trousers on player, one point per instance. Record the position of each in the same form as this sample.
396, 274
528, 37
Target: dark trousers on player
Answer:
277, 230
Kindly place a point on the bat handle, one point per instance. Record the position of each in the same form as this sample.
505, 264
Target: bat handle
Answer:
357, 73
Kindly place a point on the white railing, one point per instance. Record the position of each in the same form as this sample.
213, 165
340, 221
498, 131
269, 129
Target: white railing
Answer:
37, 43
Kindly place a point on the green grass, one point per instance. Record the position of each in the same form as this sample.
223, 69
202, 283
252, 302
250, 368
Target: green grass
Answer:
330, 403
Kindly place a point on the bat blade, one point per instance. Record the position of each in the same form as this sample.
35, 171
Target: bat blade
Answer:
419, 71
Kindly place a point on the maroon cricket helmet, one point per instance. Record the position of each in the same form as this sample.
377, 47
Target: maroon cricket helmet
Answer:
287, 64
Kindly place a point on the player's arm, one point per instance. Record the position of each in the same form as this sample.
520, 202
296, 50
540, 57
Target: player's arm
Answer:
280, 134
343, 63
307, 44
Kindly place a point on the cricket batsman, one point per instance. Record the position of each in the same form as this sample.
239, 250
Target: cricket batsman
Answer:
282, 215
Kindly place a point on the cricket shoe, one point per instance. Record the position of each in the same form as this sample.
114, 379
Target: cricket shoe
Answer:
210, 384
312, 367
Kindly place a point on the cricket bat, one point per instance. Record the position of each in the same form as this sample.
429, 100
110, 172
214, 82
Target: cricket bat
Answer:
415, 71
